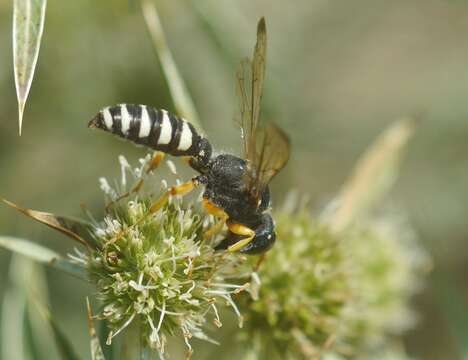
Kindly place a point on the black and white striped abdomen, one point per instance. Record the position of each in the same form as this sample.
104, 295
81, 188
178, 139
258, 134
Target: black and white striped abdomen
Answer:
144, 125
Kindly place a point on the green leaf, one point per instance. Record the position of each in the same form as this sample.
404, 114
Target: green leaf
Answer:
23, 335
28, 25
180, 95
64, 346
41, 254
77, 230
40, 341
96, 349
374, 174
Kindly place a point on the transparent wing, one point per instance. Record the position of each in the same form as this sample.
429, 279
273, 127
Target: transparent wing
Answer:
265, 149
272, 154
250, 78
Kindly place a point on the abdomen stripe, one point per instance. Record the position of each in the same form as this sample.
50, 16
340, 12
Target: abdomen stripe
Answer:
157, 129
166, 129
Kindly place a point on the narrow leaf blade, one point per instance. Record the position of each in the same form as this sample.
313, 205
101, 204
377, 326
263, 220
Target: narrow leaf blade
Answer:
41, 254
96, 349
14, 311
180, 95
40, 340
28, 25
76, 229
64, 345
374, 174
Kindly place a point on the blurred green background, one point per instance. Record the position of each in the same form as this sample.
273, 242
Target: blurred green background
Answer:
338, 73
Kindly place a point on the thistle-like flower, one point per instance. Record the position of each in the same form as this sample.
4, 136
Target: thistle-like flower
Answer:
154, 268
158, 269
334, 295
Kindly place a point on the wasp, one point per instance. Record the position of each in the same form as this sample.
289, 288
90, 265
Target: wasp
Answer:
236, 188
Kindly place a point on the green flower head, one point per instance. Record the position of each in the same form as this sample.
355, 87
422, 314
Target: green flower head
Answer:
156, 268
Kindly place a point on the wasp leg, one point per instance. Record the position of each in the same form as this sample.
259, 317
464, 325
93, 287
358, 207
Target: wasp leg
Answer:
186, 159
181, 189
259, 262
243, 230
153, 164
155, 161
217, 212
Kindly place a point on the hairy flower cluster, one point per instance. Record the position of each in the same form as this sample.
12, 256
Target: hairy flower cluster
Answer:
157, 269
304, 287
333, 295
386, 270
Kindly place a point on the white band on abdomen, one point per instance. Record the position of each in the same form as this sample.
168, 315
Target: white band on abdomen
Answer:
185, 137
125, 119
107, 118
166, 129
145, 123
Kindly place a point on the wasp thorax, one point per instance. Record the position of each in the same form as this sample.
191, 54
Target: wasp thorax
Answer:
228, 170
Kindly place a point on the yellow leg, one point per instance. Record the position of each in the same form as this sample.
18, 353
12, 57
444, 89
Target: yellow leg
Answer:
186, 159
219, 213
212, 209
181, 189
153, 165
135, 189
259, 262
155, 161
240, 229
138, 186
214, 230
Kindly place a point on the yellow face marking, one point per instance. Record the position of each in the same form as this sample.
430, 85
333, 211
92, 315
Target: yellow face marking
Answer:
243, 230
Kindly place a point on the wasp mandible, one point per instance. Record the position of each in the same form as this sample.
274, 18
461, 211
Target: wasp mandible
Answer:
236, 189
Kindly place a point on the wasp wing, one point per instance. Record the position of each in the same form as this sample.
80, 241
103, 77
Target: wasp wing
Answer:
265, 149
250, 77
272, 154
